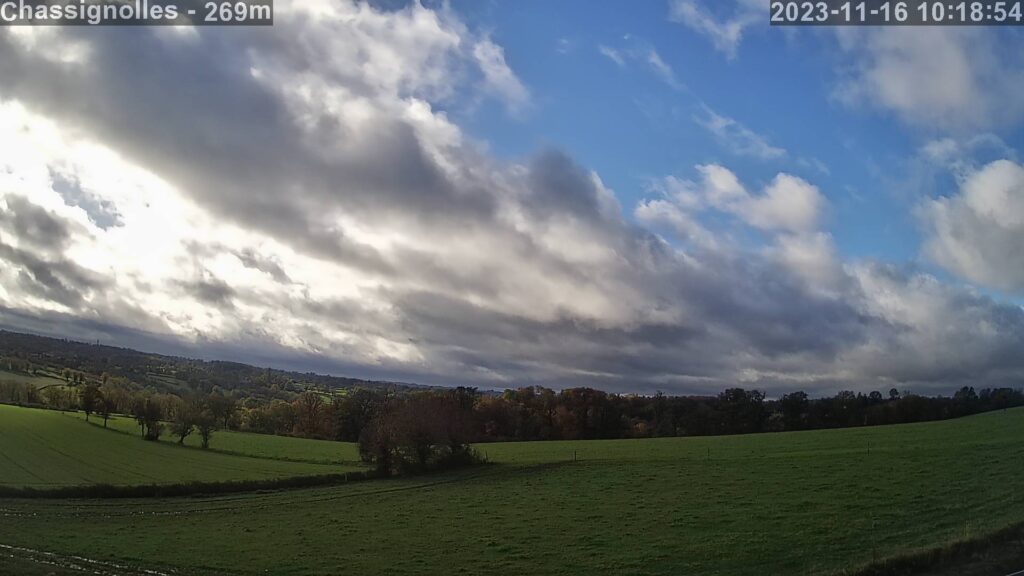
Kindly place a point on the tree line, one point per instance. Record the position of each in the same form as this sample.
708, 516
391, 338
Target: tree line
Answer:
401, 430
531, 413
536, 413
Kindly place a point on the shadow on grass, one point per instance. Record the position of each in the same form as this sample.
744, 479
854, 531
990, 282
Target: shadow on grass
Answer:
328, 461
186, 488
996, 553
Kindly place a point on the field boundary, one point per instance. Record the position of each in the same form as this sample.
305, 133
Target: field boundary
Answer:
109, 491
186, 489
926, 560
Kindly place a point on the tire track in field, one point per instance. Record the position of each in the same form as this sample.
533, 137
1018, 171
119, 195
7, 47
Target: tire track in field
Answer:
247, 502
77, 563
22, 468
88, 465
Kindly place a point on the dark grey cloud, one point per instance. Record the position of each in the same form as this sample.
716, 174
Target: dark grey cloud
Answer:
439, 264
210, 290
230, 142
58, 280
251, 259
34, 224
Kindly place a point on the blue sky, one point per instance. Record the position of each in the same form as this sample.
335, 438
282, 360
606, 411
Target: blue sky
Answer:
631, 126
665, 195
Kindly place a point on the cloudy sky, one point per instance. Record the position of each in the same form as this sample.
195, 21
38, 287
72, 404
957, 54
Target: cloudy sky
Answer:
674, 197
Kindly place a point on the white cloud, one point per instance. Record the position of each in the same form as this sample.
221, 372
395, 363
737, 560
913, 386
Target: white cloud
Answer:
639, 51
663, 70
736, 137
499, 77
316, 207
725, 32
787, 203
612, 54
936, 77
812, 256
978, 233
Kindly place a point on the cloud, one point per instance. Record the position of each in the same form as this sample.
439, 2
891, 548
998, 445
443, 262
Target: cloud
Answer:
736, 137
612, 54
977, 233
663, 70
499, 78
949, 79
725, 32
640, 51
312, 205
787, 203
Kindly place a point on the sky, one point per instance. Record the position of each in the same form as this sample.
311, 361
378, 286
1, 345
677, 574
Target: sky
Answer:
673, 196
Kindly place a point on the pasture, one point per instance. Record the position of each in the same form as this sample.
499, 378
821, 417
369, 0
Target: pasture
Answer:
37, 380
249, 444
803, 503
46, 449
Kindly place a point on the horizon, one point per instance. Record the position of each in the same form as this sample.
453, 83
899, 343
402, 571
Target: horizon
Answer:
485, 391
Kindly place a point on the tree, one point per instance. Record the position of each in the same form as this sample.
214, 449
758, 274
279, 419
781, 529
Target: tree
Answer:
794, 410
89, 399
742, 411
206, 424
106, 406
222, 407
183, 418
378, 443
308, 408
148, 413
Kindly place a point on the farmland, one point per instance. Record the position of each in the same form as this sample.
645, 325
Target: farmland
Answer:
254, 445
38, 380
791, 503
46, 449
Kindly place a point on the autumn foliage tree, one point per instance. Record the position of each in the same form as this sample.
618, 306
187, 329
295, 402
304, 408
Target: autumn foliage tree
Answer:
421, 431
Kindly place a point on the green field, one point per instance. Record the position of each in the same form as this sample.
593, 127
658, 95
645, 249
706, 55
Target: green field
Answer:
801, 503
38, 380
47, 449
255, 445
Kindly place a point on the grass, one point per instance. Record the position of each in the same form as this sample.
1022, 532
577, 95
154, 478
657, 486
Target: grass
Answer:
809, 503
44, 449
255, 445
39, 381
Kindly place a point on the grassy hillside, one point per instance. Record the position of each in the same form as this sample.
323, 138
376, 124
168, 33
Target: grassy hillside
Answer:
45, 449
801, 503
255, 445
37, 380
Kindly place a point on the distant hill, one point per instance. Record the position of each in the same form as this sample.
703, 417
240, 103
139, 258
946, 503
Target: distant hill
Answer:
165, 373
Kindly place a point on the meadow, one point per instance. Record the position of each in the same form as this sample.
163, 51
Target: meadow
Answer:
45, 449
802, 503
248, 444
38, 380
